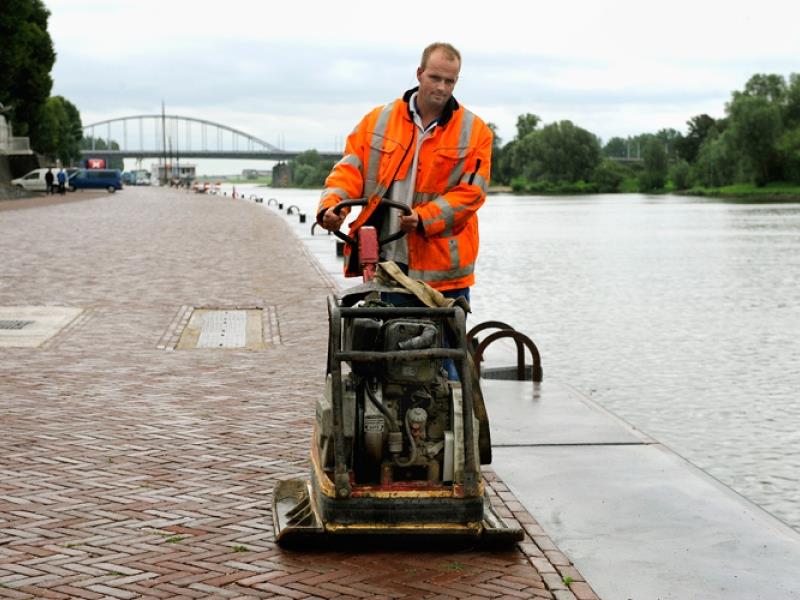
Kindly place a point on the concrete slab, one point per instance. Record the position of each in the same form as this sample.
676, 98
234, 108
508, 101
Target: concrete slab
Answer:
637, 520
45, 322
547, 413
210, 328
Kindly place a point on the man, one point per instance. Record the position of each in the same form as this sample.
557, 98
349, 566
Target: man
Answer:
430, 153
48, 180
62, 181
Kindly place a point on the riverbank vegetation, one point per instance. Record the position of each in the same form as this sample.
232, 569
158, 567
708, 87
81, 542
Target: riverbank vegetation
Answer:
753, 151
308, 170
53, 124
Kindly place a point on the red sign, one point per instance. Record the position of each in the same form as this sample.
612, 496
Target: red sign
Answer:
96, 163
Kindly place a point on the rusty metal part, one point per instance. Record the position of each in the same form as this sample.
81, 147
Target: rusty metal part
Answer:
522, 341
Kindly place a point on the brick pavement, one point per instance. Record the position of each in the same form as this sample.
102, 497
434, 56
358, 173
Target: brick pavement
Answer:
130, 471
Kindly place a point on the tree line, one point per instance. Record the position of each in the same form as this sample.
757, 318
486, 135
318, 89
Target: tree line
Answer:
52, 123
756, 142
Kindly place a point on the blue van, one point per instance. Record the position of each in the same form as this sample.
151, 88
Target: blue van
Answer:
109, 179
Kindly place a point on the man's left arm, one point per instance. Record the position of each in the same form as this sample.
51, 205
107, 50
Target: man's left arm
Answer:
446, 214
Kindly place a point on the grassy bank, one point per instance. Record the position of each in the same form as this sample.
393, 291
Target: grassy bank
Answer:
747, 191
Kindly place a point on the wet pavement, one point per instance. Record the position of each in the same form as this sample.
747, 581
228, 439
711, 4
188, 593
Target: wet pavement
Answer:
132, 469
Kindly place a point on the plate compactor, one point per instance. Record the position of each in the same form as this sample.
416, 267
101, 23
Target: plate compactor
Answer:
396, 446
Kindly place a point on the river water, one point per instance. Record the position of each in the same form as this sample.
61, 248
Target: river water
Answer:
680, 315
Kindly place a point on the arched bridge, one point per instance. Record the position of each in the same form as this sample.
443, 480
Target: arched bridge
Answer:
176, 136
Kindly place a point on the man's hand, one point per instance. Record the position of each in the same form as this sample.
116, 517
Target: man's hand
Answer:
409, 223
331, 221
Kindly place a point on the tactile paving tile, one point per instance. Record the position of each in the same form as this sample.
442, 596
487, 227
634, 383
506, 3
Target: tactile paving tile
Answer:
223, 329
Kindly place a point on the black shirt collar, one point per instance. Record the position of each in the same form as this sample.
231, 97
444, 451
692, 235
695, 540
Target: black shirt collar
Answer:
447, 113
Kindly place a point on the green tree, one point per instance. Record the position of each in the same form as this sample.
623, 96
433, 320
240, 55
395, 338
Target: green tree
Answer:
717, 161
309, 170
63, 122
26, 57
669, 138
303, 175
527, 124
505, 162
756, 125
680, 175
654, 175
788, 147
609, 175
791, 114
770, 87
559, 152
636, 145
616, 147
688, 146
497, 151
309, 157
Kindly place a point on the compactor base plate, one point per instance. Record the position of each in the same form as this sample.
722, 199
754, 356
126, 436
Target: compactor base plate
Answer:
297, 520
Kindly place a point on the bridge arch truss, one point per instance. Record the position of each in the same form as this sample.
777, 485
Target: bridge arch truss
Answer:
157, 135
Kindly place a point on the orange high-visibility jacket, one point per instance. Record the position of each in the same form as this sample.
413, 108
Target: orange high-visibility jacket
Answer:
451, 183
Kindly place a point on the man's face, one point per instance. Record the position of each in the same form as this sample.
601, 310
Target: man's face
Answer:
437, 80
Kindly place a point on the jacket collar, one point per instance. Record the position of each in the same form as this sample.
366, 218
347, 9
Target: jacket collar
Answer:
447, 113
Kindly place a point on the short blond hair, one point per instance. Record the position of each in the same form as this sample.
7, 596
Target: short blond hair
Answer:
449, 50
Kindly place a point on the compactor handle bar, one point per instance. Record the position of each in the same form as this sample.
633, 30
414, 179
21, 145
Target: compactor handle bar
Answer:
363, 202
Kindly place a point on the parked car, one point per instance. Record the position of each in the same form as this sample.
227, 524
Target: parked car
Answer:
109, 179
34, 181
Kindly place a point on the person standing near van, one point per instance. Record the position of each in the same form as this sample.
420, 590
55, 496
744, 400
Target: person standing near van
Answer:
48, 180
62, 181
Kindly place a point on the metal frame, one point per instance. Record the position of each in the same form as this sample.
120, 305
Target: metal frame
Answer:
459, 355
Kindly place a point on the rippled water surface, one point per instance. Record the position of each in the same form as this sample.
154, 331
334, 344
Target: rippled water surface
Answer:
678, 314
682, 316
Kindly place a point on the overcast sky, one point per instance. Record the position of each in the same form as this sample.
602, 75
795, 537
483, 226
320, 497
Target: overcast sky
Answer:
303, 72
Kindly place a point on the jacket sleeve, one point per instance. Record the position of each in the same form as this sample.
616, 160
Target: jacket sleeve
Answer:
447, 214
346, 179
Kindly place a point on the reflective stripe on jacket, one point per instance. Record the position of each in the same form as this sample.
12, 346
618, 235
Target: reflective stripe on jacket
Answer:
451, 183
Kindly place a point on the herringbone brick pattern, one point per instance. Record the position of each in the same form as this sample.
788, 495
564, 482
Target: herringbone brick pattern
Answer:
127, 471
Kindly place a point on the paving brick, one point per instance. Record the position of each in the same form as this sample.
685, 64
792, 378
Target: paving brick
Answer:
583, 591
132, 471
542, 566
569, 571
553, 581
557, 558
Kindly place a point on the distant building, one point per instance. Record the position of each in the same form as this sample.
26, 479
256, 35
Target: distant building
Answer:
255, 173
185, 172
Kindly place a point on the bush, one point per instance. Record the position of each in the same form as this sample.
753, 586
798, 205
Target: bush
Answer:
519, 185
655, 167
629, 185
717, 163
609, 175
679, 175
544, 187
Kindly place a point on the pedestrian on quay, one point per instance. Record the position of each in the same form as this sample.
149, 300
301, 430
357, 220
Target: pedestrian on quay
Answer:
62, 181
427, 151
48, 180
